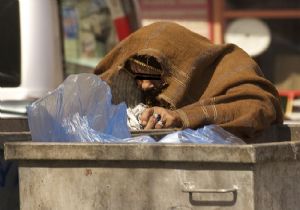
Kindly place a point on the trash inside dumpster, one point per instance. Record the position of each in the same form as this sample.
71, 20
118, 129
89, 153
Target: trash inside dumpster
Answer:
81, 110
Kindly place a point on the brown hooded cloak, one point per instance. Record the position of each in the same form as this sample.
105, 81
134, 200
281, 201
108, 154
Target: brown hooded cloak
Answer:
207, 83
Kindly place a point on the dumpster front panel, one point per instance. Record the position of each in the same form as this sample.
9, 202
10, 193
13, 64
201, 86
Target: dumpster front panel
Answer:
277, 185
135, 185
157, 176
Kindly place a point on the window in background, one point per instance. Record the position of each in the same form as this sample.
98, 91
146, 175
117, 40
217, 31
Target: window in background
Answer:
280, 61
10, 58
195, 15
89, 33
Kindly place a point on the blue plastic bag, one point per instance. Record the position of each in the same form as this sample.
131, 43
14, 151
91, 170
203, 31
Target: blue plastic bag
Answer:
80, 109
210, 134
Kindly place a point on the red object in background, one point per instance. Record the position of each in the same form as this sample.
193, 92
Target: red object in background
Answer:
122, 27
291, 96
119, 17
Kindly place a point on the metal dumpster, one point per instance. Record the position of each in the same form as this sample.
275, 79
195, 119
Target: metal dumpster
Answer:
157, 176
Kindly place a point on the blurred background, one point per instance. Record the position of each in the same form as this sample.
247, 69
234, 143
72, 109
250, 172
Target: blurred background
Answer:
43, 41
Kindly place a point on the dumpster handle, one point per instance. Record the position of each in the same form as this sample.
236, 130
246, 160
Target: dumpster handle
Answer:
191, 189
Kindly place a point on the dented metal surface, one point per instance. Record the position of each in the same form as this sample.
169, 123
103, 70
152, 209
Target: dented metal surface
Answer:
157, 176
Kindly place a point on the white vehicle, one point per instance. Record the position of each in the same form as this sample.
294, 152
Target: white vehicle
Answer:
30, 53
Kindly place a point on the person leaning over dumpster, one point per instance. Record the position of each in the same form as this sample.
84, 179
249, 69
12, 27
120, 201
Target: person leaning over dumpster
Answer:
188, 82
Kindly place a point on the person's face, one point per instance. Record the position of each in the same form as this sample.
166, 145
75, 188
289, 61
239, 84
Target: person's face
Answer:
151, 85
146, 85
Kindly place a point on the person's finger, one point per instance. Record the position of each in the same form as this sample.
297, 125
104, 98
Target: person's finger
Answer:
160, 124
145, 116
151, 123
156, 116
161, 115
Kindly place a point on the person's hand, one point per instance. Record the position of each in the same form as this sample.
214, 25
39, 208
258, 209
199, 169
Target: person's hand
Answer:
158, 117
